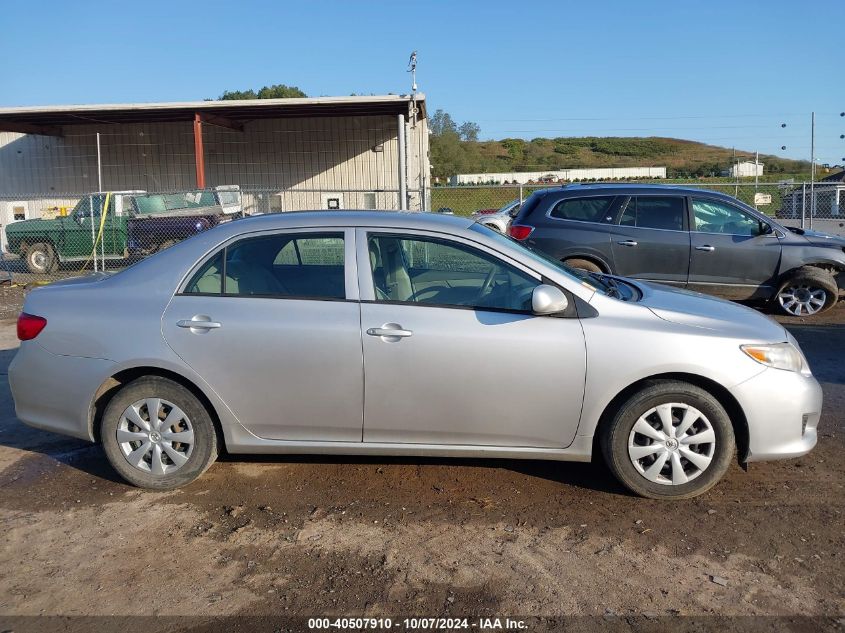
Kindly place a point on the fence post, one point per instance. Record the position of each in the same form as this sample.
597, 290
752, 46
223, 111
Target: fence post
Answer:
803, 204
93, 232
520, 194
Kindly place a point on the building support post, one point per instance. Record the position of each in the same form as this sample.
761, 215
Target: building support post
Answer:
199, 152
99, 165
403, 174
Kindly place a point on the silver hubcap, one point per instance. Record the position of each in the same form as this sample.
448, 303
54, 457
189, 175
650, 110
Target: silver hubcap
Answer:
39, 259
800, 300
155, 436
672, 444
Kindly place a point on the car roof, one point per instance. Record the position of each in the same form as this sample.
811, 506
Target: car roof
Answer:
630, 189
352, 218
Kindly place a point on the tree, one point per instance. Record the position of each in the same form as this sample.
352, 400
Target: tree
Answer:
454, 148
276, 91
440, 123
469, 131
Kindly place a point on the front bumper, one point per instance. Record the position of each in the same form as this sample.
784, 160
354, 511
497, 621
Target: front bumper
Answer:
782, 409
54, 392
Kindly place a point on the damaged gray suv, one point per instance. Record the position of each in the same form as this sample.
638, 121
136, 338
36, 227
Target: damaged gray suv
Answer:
693, 238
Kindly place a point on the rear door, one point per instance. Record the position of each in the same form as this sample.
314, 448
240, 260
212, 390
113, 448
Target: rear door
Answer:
278, 341
732, 255
651, 240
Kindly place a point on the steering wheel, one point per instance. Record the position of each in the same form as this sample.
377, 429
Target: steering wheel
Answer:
488, 281
417, 294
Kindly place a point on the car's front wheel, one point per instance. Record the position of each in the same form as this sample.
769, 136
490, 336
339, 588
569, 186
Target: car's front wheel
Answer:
807, 291
670, 440
157, 434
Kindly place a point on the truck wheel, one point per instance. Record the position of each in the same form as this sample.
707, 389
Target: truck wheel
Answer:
807, 291
583, 264
41, 258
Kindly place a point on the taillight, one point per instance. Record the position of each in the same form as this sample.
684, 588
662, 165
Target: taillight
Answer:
520, 231
30, 326
486, 211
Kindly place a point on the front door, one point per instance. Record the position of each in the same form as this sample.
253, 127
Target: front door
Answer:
271, 324
732, 255
651, 240
453, 354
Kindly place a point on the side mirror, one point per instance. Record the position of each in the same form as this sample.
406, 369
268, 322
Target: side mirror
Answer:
766, 228
548, 300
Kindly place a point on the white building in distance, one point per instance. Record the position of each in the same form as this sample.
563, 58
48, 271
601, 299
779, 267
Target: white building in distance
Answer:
745, 169
570, 175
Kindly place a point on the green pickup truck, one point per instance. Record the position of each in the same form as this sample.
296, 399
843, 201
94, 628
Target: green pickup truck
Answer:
136, 224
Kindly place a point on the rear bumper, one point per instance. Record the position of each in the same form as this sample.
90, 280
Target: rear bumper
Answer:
54, 392
782, 409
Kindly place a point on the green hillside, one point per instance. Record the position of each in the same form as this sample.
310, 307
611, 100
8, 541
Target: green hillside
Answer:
450, 155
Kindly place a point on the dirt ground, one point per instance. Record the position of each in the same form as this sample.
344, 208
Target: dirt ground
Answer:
282, 536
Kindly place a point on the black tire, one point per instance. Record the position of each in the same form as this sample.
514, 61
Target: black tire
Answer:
203, 450
583, 264
41, 258
614, 440
811, 280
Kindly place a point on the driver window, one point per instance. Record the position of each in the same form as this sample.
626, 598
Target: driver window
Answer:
439, 272
711, 216
82, 210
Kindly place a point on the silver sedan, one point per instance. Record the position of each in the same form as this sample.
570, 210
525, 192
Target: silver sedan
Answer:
360, 333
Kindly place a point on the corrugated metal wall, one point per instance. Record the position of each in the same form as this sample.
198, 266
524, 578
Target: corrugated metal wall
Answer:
331, 154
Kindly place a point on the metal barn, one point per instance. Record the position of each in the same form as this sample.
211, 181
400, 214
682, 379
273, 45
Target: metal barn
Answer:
284, 154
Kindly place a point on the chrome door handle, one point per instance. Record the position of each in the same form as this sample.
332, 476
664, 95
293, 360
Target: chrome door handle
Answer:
627, 243
398, 332
199, 324
706, 247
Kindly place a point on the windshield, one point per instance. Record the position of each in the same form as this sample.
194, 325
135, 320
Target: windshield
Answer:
593, 281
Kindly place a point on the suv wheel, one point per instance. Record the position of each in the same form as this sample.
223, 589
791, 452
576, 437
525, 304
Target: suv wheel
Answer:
807, 291
583, 264
671, 440
157, 434
41, 258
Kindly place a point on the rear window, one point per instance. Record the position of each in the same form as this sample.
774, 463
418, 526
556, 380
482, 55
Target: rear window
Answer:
593, 209
529, 205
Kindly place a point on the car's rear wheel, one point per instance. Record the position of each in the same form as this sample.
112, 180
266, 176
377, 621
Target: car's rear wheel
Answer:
806, 292
583, 264
670, 440
157, 434
41, 258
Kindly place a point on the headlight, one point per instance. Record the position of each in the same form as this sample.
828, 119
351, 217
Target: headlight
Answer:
778, 355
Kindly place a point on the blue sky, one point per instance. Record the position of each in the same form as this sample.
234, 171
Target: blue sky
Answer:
723, 72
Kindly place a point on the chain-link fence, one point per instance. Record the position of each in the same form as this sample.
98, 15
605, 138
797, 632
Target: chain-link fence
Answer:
54, 236
108, 231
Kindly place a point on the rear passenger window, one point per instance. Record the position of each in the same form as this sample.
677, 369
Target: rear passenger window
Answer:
209, 278
584, 209
654, 212
283, 265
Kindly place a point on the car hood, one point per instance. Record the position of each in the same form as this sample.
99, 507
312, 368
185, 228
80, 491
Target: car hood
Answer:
23, 225
710, 313
818, 238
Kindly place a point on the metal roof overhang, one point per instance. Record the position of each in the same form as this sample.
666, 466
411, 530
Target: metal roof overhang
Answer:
50, 119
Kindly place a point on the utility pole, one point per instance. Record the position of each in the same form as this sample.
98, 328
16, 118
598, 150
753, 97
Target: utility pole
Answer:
812, 167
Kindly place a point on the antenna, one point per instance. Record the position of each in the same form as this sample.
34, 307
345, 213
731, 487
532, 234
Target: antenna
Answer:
412, 68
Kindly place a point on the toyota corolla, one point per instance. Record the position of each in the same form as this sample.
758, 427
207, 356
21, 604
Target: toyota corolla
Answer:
361, 333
